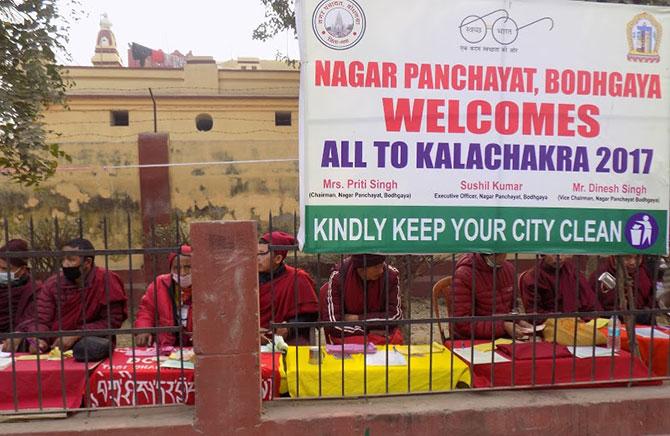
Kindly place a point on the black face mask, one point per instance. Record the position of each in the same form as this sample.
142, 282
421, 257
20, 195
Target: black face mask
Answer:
72, 273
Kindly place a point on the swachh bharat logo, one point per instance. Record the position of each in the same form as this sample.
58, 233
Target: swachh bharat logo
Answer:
641, 231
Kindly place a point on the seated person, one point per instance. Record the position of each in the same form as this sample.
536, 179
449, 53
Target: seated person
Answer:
167, 303
483, 270
15, 282
343, 298
291, 288
555, 285
80, 297
637, 281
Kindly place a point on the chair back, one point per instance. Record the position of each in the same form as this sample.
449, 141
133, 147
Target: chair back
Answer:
441, 289
520, 306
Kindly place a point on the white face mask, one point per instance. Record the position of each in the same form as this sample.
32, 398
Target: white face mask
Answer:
491, 262
183, 281
6, 277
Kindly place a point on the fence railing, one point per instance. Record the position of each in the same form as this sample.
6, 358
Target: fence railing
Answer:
69, 325
489, 321
331, 325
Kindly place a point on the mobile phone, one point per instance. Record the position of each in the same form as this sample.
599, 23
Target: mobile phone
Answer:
608, 280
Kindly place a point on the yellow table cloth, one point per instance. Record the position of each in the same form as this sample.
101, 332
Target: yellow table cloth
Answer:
444, 376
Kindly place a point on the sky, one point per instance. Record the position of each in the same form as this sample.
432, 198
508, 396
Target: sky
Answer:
218, 28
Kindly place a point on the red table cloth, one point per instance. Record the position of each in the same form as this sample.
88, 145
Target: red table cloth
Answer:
654, 355
125, 380
60, 387
125, 386
615, 370
270, 385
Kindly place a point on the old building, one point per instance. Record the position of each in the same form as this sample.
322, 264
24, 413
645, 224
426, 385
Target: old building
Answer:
230, 139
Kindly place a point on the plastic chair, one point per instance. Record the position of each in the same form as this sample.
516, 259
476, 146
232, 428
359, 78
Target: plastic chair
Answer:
441, 289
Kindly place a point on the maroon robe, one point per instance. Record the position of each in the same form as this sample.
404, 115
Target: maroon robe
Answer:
102, 291
383, 304
642, 286
490, 296
294, 295
23, 304
546, 296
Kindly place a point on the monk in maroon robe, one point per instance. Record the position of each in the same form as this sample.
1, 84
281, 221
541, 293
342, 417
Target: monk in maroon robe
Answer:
17, 293
483, 286
637, 280
555, 285
81, 297
363, 287
285, 293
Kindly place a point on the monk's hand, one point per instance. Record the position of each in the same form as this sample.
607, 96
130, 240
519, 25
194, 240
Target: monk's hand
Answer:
40, 346
9, 347
142, 339
282, 331
351, 317
66, 342
515, 332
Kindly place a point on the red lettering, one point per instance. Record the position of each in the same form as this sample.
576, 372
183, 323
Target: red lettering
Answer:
538, 122
401, 114
356, 74
454, 112
339, 74
507, 117
477, 109
475, 73
458, 83
322, 73
551, 85
565, 120
389, 75
433, 114
411, 72
586, 114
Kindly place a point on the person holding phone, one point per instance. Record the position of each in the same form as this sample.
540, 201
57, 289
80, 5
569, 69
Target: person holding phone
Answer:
555, 285
637, 281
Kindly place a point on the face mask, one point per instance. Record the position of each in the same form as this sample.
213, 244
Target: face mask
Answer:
6, 277
490, 262
183, 281
72, 273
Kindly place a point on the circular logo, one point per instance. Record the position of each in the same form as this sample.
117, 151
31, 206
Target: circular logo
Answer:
338, 24
641, 231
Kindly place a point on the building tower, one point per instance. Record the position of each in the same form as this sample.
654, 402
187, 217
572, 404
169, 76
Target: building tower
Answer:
106, 54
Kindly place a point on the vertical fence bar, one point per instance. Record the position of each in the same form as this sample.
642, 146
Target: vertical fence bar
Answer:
133, 315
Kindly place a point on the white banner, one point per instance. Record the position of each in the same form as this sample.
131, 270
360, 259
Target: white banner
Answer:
466, 125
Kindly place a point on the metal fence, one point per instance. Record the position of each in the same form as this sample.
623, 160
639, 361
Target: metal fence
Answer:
483, 322
66, 316
516, 323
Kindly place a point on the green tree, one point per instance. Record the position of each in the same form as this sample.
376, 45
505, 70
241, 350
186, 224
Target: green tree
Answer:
32, 33
279, 16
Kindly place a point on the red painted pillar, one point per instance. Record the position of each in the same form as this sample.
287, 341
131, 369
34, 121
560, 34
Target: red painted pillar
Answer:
156, 206
225, 308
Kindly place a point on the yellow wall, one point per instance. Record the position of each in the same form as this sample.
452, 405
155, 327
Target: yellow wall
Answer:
242, 105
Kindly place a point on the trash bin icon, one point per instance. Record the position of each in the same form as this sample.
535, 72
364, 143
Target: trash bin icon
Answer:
636, 235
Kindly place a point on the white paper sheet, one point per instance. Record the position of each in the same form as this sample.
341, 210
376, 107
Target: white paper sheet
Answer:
5, 362
379, 359
177, 364
479, 357
584, 351
646, 332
